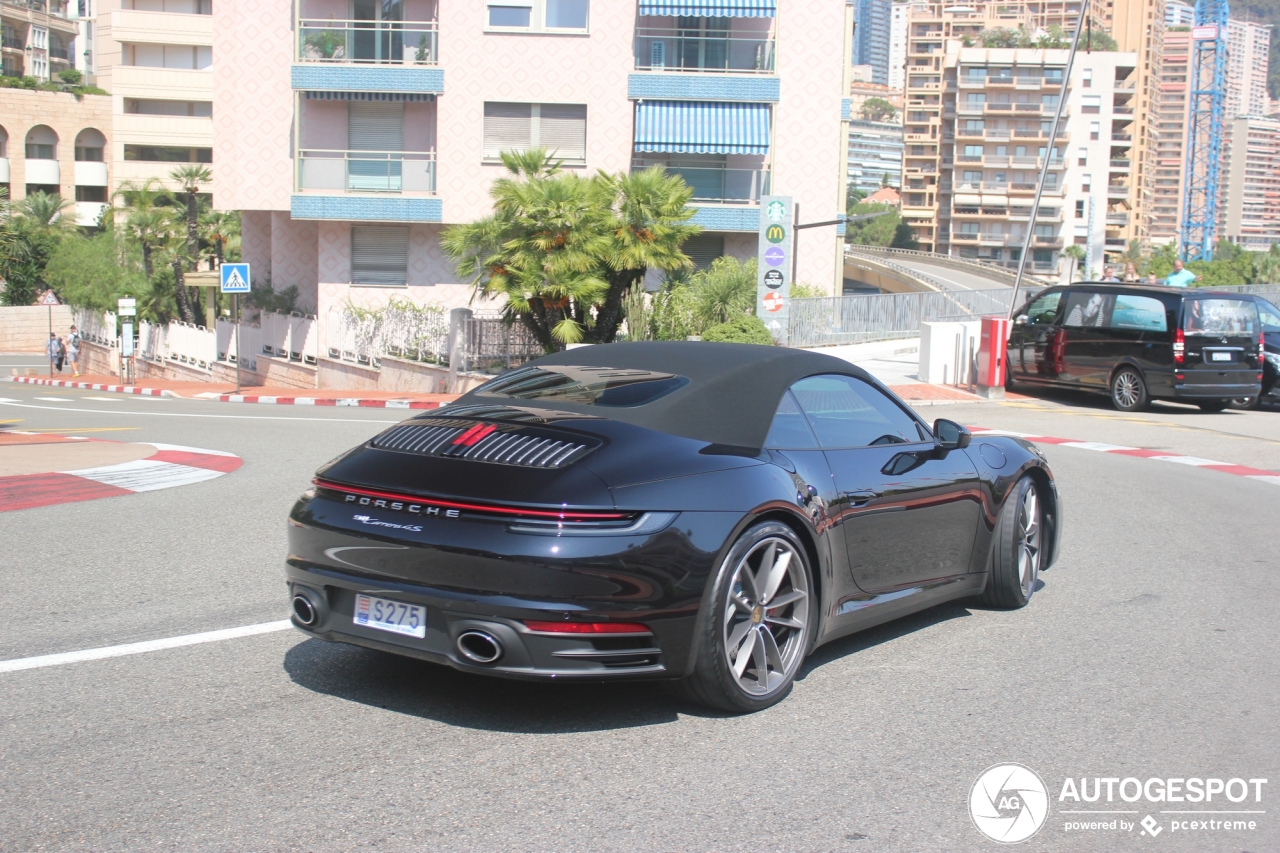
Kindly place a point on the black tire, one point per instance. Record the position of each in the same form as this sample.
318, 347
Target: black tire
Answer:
1213, 405
1247, 403
715, 682
1010, 581
1129, 390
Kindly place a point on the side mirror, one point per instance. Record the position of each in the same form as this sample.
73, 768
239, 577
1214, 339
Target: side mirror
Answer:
1021, 320
950, 435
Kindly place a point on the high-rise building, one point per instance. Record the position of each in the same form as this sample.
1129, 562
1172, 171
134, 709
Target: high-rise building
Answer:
1179, 14
899, 15
1138, 27
871, 37
1250, 183
1165, 216
1003, 102
875, 154
38, 38
1248, 59
351, 143
155, 57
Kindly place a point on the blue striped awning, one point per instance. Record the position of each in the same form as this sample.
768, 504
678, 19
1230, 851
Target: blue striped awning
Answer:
370, 96
692, 127
710, 8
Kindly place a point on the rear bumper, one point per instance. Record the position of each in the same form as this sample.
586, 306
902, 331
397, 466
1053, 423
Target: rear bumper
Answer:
525, 654
1215, 391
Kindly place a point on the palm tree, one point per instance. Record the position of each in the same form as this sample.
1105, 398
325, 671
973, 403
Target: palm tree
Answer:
1076, 254
46, 211
191, 177
220, 229
143, 196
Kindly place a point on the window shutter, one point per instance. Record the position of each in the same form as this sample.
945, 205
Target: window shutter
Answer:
507, 127
375, 125
562, 130
379, 255
703, 249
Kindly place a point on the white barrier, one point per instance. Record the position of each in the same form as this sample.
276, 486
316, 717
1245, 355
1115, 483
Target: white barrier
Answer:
948, 352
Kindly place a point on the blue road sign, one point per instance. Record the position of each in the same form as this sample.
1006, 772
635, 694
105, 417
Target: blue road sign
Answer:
235, 278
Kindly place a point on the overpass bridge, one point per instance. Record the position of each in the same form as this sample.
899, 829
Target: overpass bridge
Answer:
906, 271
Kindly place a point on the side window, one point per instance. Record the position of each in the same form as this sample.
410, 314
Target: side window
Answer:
1088, 310
848, 412
1138, 312
1270, 317
790, 430
1045, 308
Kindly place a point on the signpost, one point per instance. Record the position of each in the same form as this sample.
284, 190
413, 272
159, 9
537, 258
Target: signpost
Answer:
49, 299
235, 280
773, 283
126, 307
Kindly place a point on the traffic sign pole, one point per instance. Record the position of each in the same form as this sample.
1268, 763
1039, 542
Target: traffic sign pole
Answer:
773, 284
235, 312
235, 280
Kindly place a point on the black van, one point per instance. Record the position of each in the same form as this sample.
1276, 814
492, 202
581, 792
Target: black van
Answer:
1137, 343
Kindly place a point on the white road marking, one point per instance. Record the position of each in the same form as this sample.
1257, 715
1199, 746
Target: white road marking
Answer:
139, 648
56, 399
188, 415
9, 400
143, 475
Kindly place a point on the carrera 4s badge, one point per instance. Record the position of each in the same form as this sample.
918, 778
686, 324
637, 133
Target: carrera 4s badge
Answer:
364, 519
401, 506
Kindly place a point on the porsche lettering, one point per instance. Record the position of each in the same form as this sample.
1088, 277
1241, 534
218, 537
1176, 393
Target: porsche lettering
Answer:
416, 509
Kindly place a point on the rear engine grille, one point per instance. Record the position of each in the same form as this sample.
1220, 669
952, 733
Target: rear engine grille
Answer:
480, 442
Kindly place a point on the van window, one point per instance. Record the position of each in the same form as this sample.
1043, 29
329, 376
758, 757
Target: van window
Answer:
1045, 308
1088, 310
1138, 312
1220, 317
1270, 317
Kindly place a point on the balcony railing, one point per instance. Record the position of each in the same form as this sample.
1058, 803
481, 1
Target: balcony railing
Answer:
12, 42
60, 53
670, 50
366, 171
718, 185
376, 42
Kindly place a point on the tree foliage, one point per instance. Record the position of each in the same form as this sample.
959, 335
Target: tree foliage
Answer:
878, 109
720, 294
740, 330
879, 231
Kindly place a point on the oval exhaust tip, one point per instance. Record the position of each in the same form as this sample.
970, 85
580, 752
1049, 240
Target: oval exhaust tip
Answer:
303, 610
479, 646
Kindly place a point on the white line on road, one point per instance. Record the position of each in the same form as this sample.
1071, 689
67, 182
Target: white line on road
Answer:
189, 415
139, 648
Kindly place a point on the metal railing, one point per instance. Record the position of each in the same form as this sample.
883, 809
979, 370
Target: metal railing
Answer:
827, 321
673, 50
717, 184
987, 267
377, 42
366, 171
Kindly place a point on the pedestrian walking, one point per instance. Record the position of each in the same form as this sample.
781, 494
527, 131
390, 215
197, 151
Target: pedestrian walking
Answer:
51, 350
60, 354
73, 351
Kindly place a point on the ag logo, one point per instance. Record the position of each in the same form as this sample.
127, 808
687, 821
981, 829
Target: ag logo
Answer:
777, 211
773, 279
775, 233
1008, 803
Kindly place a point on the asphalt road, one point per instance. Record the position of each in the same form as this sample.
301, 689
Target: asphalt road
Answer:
1150, 651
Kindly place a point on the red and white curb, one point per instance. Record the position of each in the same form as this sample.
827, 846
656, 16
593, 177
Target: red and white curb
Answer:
1260, 474
91, 386
172, 465
325, 401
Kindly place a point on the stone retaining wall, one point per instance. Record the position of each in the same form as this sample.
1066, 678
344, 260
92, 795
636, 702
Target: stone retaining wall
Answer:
25, 328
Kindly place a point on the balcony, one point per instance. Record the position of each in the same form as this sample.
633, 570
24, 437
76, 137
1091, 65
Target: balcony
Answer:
1117, 190
669, 50
1118, 219
141, 27
12, 43
399, 172
716, 184
412, 43
1120, 164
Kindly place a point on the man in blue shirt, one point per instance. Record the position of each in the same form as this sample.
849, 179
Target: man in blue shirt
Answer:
1180, 277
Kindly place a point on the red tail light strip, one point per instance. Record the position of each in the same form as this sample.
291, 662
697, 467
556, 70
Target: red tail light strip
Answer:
587, 627
498, 510
474, 435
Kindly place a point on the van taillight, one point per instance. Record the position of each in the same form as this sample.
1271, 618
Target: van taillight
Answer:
1262, 347
1179, 347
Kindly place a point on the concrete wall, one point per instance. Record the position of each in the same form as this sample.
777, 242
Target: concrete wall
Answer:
26, 329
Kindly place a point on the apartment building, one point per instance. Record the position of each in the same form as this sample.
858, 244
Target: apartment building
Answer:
1165, 217
348, 154
52, 142
1248, 60
998, 113
1138, 26
1250, 183
1179, 14
871, 37
875, 154
155, 57
899, 17
37, 38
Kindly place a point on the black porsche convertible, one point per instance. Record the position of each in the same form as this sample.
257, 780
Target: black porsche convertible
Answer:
702, 513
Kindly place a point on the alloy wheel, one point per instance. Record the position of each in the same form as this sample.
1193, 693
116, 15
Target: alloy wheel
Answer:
1029, 541
1127, 391
766, 616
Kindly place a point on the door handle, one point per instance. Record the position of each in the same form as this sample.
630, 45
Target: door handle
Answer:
860, 498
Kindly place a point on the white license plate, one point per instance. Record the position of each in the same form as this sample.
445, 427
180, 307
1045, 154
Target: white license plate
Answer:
393, 616
1220, 356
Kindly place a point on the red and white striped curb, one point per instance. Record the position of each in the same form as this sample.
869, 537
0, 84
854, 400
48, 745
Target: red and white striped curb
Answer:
172, 465
326, 401
91, 386
1260, 474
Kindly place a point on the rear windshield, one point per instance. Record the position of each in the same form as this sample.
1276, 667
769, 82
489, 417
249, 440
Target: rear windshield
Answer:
589, 386
1219, 316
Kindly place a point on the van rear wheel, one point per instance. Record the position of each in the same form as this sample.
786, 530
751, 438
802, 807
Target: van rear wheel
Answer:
1129, 390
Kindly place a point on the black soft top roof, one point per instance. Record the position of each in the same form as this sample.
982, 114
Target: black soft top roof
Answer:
733, 389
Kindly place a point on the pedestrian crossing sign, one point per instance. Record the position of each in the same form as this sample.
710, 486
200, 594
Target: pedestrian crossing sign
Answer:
235, 278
